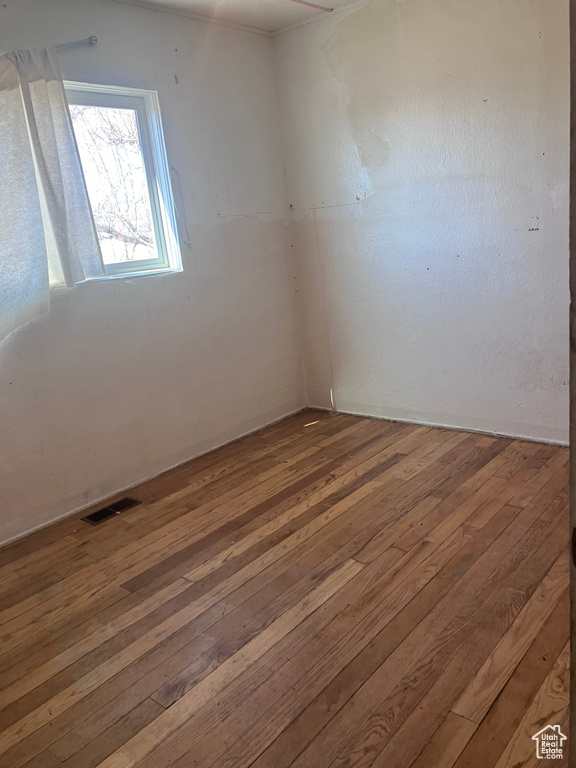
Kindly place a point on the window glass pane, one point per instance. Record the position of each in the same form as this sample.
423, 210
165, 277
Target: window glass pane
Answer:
113, 165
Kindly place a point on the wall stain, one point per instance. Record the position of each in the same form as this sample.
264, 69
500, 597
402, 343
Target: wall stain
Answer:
351, 52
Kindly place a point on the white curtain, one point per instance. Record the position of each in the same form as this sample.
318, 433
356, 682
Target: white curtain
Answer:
47, 233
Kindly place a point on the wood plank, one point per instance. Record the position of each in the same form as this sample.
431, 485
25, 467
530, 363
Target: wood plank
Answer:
73, 693
41, 610
550, 706
165, 651
130, 556
55, 628
174, 717
390, 674
296, 734
234, 759
175, 663
479, 696
44, 760
94, 752
410, 735
321, 593
498, 727
39, 674
234, 756
447, 744
188, 678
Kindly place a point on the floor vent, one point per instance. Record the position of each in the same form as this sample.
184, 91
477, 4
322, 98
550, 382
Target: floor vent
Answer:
101, 515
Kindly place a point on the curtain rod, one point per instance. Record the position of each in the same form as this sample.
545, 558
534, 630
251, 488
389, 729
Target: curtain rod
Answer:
92, 40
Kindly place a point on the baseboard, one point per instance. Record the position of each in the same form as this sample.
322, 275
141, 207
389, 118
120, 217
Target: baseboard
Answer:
439, 425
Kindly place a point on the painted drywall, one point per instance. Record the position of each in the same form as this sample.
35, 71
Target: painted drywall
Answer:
124, 379
426, 151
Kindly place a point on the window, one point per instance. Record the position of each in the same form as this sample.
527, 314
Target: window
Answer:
121, 145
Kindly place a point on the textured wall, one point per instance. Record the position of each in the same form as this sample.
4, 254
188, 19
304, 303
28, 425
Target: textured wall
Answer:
124, 379
426, 151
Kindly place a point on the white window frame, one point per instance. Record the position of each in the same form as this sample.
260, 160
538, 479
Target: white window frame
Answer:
147, 107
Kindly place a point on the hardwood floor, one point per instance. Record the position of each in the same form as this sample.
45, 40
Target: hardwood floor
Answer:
331, 592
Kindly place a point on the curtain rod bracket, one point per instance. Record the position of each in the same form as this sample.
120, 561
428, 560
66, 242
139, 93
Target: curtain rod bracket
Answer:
92, 40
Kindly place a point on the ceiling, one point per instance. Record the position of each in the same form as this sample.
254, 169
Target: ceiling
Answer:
265, 16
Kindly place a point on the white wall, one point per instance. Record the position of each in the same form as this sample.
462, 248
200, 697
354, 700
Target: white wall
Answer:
124, 379
426, 149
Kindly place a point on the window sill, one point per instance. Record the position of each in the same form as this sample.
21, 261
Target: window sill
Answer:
132, 275
61, 288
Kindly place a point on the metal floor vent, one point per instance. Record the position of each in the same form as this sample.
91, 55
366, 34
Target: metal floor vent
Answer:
101, 515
